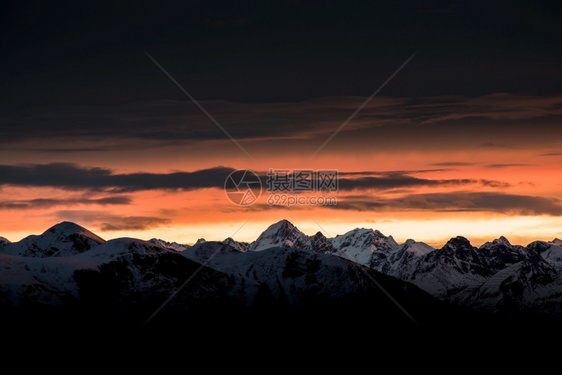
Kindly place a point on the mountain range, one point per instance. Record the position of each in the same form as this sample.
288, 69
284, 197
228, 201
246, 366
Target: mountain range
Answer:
284, 279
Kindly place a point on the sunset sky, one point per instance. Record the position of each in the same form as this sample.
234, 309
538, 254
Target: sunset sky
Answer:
442, 118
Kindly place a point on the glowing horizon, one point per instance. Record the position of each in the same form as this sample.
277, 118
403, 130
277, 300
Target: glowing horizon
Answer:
441, 119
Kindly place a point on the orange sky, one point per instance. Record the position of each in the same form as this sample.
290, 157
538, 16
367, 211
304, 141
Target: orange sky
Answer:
442, 118
186, 215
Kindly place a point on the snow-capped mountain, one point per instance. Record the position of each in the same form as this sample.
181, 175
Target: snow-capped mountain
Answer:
527, 286
126, 280
63, 239
285, 234
206, 252
498, 276
22, 276
362, 272
363, 245
169, 245
550, 251
281, 234
240, 246
457, 272
379, 252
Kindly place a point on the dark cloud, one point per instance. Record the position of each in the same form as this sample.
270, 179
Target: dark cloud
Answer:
75, 78
507, 165
132, 223
47, 203
394, 172
109, 222
275, 50
393, 181
73, 177
163, 122
459, 202
446, 122
494, 183
452, 164
66, 175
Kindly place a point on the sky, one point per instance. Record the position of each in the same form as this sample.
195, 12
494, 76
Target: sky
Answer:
424, 120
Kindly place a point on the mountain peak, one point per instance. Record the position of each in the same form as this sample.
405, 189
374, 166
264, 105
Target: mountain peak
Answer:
63, 239
458, 243
240, 246
418, 248
281, 225
66, 227
169, 245
502, 240
284, 223
280, 234
365, 237
4, 241
361, 244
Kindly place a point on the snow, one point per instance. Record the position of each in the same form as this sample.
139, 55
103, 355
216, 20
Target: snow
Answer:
359, 244
254, 269
418, 248
281, 234
502, 241
458, 272
240, 246
13, 270
554, 255
170, 245
56, 274
63, 239
206, 252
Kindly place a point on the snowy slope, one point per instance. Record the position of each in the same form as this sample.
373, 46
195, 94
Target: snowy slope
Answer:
131, 276
458, 272
240, 246
206, 251
551, 252
282, 270
281, 234
21, 275
169, 245
360, 245
284, 234
530, 285
379, 252
61, 240
281, 279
